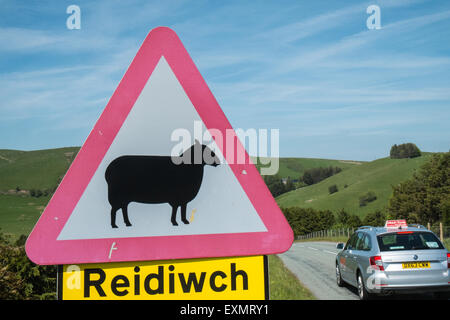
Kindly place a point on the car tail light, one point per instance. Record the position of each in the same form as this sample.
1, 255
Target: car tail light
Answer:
448, 261
376, 263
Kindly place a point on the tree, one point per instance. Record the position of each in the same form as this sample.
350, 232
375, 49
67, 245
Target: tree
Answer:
22, 279
366, 198
315, 175
332, 189
275, 185
306, 220
406, 150
343, 217
375, 219
425, 197
289, 185
354, 221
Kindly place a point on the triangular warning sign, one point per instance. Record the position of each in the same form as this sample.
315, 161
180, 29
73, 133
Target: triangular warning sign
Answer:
125, 197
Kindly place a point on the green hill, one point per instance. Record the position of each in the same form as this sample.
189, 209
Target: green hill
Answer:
43, 169
40, 169
295, 167
377, 176
22, 171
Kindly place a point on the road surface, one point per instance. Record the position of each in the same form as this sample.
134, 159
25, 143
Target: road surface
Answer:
313, 264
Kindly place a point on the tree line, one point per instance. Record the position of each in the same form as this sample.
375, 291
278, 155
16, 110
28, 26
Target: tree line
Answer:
425, 198
315, 175
406, 150
306, 220
277, 186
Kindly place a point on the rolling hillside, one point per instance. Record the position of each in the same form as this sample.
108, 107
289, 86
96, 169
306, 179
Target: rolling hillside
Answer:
22, 171
40, 169
295, 167
377, 176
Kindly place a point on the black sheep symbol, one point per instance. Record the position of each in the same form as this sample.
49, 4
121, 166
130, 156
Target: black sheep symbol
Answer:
157, 179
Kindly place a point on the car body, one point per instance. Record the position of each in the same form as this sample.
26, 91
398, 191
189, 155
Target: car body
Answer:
380, 260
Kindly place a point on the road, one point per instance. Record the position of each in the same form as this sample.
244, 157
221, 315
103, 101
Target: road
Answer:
313, 264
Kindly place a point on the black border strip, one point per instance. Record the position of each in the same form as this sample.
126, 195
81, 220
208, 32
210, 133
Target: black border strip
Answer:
59, 282
266, 278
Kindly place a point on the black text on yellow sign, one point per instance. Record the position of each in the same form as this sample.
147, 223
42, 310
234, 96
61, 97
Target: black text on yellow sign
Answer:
241, 278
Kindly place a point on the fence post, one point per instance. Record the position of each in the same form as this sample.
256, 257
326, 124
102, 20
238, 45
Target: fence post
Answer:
441, 231
428, 226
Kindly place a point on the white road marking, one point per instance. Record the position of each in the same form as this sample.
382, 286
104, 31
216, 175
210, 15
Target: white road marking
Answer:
329, 252
313, 248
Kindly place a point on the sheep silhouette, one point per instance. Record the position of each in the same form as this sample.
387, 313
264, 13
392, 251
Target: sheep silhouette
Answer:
157, 179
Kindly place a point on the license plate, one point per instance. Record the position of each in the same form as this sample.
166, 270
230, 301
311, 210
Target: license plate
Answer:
415, 265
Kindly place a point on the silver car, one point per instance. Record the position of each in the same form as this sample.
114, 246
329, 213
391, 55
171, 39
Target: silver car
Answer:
379, 260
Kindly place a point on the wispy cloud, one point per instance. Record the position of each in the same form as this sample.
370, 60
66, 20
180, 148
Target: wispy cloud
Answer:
311, 69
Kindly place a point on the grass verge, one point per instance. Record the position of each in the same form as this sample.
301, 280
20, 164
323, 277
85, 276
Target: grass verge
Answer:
283, 284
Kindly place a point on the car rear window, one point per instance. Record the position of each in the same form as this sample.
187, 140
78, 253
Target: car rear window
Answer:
408, 241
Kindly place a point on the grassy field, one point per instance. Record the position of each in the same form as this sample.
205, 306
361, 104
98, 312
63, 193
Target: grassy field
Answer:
39, 169
27, 170
284, 285
377, 176
18, 214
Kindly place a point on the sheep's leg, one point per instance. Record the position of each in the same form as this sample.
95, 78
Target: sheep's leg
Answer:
174, 215
183, 213
125, 215
113, 217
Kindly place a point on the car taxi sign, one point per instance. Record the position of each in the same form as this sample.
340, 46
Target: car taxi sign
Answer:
396, 224
127, 197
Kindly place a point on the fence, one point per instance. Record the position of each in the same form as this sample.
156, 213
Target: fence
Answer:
331, 233
440, 230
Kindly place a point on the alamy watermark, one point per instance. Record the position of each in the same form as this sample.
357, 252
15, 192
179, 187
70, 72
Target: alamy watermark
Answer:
374, 20
205, 146
74, 20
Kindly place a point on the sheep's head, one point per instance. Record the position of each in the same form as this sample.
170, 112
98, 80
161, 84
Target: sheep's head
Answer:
200, 154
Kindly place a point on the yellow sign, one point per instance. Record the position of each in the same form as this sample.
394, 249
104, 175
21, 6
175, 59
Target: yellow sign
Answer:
240, 278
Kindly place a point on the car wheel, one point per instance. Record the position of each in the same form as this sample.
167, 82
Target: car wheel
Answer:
362, 291
339, 280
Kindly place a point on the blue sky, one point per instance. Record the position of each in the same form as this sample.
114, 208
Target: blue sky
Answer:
312, 69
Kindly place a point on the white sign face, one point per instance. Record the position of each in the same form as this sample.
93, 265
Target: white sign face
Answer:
221, 205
